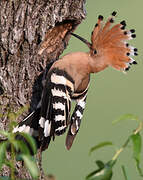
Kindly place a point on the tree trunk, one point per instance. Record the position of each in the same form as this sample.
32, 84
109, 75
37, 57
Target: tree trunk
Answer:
33, 33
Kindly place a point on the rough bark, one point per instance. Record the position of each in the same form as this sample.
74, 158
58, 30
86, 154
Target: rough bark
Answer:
32, 34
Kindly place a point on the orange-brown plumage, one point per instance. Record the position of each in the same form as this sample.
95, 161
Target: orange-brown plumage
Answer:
109, 43
77, 65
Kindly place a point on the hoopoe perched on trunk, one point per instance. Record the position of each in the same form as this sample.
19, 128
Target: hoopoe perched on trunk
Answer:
68, 79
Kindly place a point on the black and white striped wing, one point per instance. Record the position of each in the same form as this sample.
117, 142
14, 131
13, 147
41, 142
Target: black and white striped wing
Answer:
76, 120
55, 113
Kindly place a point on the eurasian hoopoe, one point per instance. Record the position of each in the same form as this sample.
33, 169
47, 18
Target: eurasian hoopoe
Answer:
68, 79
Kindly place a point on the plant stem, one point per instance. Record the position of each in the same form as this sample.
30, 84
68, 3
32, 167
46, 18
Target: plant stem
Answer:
124, 172
139, 128
121, 149
12, 163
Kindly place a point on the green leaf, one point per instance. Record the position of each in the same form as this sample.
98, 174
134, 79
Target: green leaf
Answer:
136, 139
103, 173
18, 157
3, 147
124, 173
8, 163
100, 164
137, 145
21, 111
20, 145
100, 145
5, 178
126, 117
11, 116
9, 178
4, 133
14, 115
11, 137
30, 141
12, 124
31, 165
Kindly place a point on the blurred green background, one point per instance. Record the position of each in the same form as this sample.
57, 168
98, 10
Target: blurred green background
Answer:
111, 94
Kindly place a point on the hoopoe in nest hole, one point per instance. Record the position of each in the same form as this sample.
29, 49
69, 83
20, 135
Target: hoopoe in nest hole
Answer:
68, 79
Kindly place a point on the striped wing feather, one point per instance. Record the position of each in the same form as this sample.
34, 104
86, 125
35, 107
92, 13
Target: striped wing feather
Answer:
76, 120
56, 110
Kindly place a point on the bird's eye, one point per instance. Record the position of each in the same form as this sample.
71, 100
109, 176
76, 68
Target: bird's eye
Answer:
94, 51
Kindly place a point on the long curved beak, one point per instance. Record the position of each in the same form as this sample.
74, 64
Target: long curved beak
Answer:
82, 39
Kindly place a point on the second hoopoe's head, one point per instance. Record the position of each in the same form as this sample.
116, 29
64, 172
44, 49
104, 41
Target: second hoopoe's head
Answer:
109, 46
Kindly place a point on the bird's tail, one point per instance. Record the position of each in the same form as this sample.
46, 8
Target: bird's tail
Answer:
30, 125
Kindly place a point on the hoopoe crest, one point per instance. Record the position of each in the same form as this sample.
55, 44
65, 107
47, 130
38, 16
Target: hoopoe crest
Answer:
109, 46
68, 79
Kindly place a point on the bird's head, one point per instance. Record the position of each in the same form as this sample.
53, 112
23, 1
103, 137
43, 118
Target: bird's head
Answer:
108, 45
